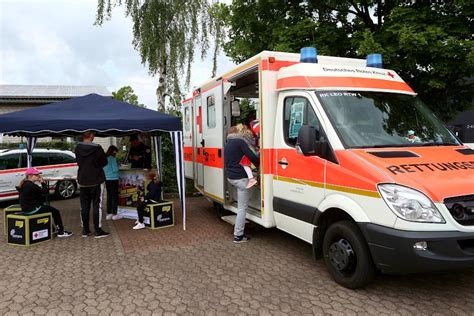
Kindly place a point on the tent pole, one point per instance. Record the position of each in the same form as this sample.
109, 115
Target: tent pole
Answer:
177, 138
30, 146
157, 147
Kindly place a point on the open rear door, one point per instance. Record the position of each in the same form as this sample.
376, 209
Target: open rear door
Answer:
188, 118
198, 144
213, 141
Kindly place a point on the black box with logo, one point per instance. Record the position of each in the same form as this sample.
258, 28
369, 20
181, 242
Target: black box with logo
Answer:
12, 209
159, 215
26, 230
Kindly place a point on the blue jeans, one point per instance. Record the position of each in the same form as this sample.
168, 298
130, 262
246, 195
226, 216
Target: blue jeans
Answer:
243, 195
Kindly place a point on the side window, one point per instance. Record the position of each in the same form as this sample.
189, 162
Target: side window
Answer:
60, 158
40, 159
187, 119
211, 111
10, 162
297, 111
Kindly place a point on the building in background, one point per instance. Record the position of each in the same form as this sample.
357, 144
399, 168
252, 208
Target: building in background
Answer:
21, 97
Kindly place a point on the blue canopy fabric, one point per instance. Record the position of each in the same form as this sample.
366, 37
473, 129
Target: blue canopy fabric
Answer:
106, 116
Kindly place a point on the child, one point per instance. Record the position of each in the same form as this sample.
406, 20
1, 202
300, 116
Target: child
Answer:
111, 171
245, 162
32, 198
154, 189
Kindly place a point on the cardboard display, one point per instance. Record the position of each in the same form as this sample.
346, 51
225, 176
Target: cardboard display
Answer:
159, 215
27, 230
12, 209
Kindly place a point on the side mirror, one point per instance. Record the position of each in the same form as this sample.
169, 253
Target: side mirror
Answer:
307, 140
235, 106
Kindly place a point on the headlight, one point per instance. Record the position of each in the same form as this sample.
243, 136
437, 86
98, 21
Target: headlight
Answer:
410, 204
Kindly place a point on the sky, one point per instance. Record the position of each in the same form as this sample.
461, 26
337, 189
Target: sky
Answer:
55, 42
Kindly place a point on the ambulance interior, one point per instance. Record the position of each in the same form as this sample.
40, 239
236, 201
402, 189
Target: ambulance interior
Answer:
243, 105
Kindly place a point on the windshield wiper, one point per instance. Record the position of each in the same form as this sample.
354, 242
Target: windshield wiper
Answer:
438, 144
384, 145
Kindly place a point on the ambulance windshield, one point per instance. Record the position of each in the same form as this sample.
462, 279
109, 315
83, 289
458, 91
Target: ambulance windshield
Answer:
376, 119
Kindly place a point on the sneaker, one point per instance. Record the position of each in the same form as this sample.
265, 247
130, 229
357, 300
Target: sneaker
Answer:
65, 233
241, 239
101, 234
109, 217
116, 217
139, 226
251, 183
85, 233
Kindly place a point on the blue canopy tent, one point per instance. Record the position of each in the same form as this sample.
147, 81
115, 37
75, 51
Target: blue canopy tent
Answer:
105, 116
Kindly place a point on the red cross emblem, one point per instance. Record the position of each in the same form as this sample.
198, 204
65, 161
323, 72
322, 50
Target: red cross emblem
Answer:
390, 74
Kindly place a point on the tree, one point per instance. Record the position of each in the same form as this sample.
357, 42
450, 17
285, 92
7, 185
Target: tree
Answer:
429, 43
167, 34
126, 94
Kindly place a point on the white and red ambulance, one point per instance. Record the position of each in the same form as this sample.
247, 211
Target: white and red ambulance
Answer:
351, 161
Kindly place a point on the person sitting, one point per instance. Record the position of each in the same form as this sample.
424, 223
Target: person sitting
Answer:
412, 137
32, 198
154, 188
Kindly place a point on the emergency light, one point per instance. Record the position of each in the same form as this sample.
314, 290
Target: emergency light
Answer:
374, 60
309, 55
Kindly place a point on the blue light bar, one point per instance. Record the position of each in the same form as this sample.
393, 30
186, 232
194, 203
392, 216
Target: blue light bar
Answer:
309, 55
374, 60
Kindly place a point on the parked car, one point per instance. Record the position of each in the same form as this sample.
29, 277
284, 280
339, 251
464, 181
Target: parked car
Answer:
52, 162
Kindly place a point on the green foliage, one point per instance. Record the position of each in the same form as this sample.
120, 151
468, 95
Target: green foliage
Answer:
166, 34
429, 43
126, 94
247, 112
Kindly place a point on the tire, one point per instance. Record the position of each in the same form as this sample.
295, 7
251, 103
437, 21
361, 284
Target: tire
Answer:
66, 189
347, 255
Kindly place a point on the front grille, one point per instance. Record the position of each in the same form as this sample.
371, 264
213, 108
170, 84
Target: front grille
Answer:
461, 209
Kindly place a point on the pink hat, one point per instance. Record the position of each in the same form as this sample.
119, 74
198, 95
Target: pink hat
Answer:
32, 171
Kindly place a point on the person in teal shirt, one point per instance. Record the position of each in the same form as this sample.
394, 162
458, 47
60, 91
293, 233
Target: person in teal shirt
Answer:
111, 171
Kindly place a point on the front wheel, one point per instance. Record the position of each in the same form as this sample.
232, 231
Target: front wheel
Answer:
66, 189
347, 255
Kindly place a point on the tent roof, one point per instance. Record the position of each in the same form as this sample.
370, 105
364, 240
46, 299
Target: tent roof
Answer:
106, 116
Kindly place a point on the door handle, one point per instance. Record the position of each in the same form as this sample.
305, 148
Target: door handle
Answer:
203, 143
283, 162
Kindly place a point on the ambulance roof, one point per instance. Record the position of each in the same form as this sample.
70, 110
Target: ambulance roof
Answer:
329, 76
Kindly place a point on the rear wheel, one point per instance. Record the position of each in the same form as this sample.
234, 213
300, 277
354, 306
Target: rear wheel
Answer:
66, 189
347, 255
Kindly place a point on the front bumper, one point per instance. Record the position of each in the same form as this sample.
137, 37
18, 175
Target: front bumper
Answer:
392, 250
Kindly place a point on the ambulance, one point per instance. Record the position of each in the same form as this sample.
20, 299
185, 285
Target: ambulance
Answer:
351, 161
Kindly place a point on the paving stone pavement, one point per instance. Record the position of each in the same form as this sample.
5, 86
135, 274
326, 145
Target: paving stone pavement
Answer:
201, 271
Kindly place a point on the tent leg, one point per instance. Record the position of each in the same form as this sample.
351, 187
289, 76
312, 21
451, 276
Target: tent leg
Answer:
177, 138
30, 146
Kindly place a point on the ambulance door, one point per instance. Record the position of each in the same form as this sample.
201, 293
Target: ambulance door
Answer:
213, 158
299, 180
198, 144
188, 138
